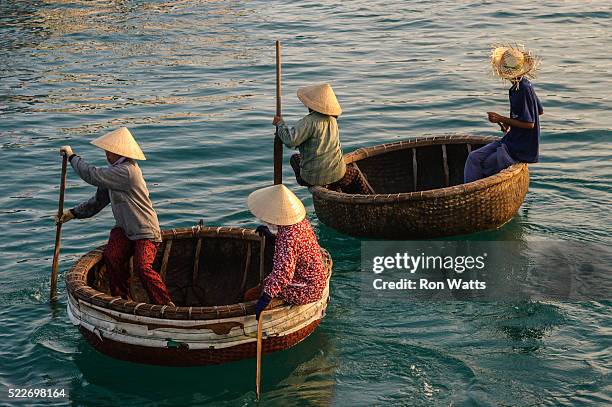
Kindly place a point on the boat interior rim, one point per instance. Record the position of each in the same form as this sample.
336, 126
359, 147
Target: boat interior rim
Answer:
470, 187
415, 142
88, 261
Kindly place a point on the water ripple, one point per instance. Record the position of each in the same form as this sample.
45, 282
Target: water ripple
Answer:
194, 80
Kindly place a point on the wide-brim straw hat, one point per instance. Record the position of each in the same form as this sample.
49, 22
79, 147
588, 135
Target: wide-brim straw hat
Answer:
276, 205
320, 98
512, 61
120, 142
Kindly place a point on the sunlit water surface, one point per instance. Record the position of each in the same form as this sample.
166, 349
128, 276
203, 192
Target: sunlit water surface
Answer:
194, 80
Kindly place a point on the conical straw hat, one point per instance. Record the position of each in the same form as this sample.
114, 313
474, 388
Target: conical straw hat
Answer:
320, 98
510, 62
120, 142
276, 205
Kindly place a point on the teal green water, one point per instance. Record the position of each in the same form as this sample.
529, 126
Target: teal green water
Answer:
194, 80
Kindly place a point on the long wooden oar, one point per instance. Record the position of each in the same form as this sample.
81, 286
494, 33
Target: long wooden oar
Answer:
262, 253
259, 350
278, 179
58, 230
278, 145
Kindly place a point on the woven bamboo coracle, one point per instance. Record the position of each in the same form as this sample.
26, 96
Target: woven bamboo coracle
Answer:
207, 271
418, 191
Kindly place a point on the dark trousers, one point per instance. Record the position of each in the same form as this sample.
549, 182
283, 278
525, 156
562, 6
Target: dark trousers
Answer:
351, 183
117, 253
486, 161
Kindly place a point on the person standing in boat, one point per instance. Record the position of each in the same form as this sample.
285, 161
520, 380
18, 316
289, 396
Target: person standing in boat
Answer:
317, 137
522, 129
299, 274
137, 229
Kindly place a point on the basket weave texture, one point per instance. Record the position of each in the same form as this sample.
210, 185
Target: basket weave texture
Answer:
428, 210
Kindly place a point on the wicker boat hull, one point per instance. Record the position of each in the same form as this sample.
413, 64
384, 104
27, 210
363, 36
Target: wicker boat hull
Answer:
184, 336
453, 209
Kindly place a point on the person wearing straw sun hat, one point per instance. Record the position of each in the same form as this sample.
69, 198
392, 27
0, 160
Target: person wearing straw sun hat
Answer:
298, 275
137, 229
520, 142
317, 137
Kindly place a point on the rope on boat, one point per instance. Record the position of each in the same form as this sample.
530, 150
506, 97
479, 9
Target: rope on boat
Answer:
414, 168
363, 177
445, 163
247, 266
164, 265
262, 257
196, 270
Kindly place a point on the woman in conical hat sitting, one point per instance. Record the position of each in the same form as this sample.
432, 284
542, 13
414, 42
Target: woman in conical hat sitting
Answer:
298, 275
317, 137
137, 230
522, 129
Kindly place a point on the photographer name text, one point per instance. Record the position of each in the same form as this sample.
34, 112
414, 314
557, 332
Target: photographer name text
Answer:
405, 262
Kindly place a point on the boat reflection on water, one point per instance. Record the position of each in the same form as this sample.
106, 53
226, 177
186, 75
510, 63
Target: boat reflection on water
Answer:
303, 374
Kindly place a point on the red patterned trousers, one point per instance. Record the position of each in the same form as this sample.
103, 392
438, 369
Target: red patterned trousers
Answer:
351, 183
117, 253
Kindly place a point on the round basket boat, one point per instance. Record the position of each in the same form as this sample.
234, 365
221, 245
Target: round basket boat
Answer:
418, 191
207, 271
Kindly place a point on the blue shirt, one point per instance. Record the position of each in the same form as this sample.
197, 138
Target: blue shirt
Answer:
523, 144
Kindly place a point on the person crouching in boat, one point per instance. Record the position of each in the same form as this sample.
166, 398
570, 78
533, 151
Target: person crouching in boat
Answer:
317, 137
137, 229
298, 274
522, 129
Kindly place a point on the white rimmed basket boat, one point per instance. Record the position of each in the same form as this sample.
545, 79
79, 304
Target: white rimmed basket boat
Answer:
207, 271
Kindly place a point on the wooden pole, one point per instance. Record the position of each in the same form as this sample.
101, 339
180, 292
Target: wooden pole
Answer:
260, 321
278, 179
259, 350
278, 145
58, 230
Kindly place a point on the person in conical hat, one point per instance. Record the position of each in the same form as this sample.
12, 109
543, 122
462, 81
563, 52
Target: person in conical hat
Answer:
317, 137
298, 275
521, 129
137, 229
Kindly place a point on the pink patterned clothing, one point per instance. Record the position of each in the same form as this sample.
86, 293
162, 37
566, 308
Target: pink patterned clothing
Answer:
298, 275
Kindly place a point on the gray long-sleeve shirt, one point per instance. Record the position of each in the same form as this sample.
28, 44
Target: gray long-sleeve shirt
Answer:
124, 187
